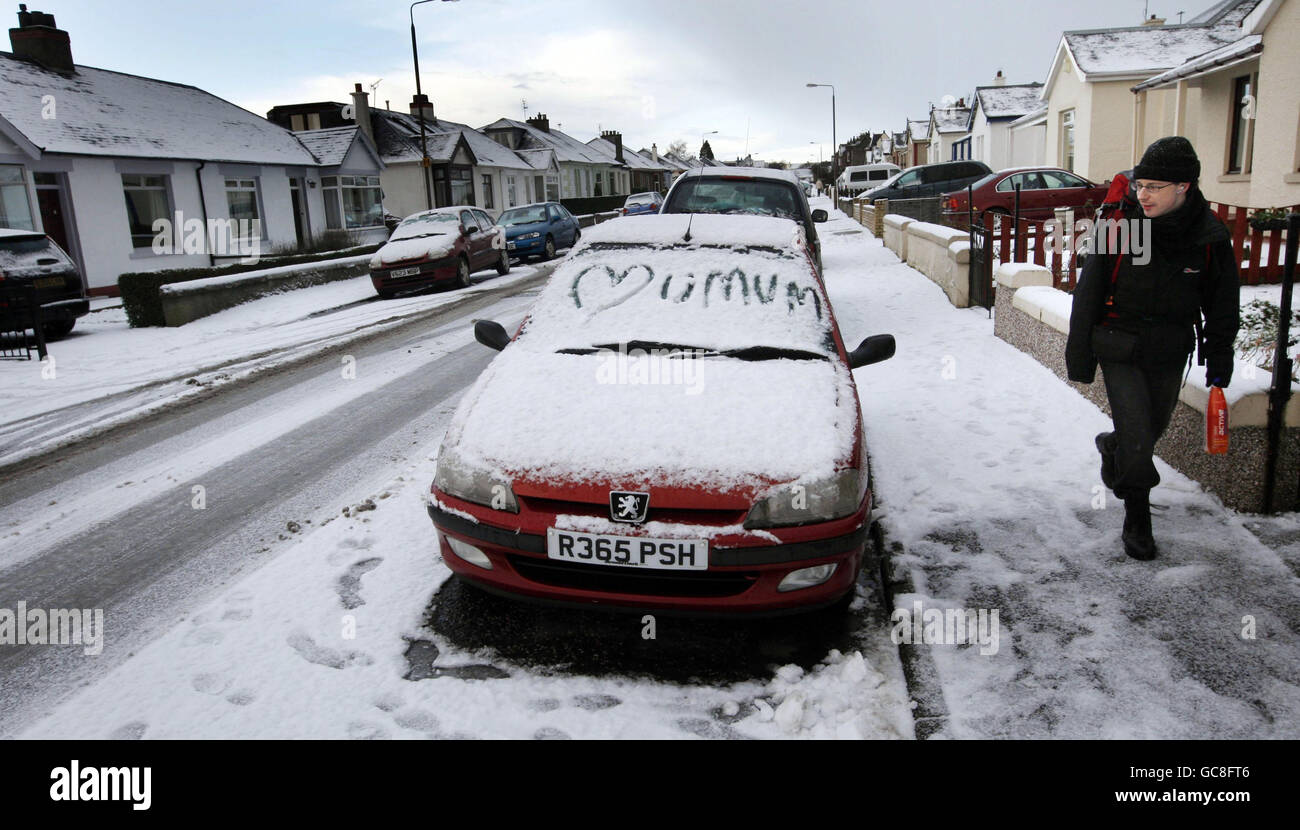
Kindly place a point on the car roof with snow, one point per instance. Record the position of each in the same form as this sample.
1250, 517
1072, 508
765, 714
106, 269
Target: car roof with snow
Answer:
743, 172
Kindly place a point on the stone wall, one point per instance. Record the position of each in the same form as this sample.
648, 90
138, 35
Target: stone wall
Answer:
1036, 321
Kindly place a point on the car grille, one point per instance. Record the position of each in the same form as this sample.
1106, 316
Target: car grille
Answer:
674, 515
615, 580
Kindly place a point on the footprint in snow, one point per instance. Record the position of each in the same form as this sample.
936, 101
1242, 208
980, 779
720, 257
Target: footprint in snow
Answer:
349, 587
132, 731
308, 650
363, 731
209, 684
550, 733
417, 719
471, 672
389, 702
236, 614
202, 636
705, 728
546, 704
241, 697
593, 703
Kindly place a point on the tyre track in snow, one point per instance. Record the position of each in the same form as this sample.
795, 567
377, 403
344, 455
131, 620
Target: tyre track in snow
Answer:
296, 445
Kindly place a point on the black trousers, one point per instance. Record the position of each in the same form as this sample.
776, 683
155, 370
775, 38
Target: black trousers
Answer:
1142, 399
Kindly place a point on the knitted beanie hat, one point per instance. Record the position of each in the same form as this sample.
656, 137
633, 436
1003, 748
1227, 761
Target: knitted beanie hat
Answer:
1169, 159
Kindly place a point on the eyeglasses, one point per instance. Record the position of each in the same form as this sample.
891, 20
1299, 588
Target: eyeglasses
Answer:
1150, 188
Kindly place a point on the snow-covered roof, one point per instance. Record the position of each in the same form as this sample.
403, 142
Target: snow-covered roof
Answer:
630, 158
566, 147
329, 145
918, 130
538, 159
398, 137
104, 113
1138, 49
1215, 59
1009, 101
951, 119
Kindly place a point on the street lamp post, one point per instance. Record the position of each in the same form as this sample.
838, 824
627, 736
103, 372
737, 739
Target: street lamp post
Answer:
835, 146
419, 108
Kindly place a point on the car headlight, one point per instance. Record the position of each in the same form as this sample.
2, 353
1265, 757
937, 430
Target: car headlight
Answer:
532, 235
457, 478
376, 263
801, 503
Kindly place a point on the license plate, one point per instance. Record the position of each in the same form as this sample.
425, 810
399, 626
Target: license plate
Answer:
627, 551
405, 272
48, 282
510, 246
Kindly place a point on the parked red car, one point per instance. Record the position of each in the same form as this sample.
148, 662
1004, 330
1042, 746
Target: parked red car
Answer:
1041, 190
444, 245
675, 426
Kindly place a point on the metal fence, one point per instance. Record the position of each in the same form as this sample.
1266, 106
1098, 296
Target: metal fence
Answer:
19, 313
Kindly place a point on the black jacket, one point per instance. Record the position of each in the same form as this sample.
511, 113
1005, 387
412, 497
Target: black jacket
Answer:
1192, 272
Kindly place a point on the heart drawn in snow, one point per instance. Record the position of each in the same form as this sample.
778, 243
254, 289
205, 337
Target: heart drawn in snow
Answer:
599, 287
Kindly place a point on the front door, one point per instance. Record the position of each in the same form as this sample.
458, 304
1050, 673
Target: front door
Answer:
55, 216
299, 215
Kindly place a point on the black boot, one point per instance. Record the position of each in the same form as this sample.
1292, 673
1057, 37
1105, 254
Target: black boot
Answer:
1138, 541
1107, 460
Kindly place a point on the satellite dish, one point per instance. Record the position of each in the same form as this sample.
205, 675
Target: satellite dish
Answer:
948, 100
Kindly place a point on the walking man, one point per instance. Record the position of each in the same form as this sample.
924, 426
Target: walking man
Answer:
1137, 313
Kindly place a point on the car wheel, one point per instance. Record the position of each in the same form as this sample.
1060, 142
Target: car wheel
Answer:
462, 273
577, 234
58, 329
503, 266
549, 251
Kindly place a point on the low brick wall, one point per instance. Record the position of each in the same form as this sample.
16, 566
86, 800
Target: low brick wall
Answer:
943, 255
184, 302
1034, 317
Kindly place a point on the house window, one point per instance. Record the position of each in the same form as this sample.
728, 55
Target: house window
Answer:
1239, 141
1067, 139
599, 180
241, 199
512, 197
352, 202
15, 207
462, 186
296, 123
146, 201
552, 188
487, 191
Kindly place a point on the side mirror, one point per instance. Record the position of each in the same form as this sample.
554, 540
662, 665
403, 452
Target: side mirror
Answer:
493, 335
820, 215
872, 350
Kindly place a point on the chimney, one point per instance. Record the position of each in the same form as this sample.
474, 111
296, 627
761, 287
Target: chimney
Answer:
420, 103
616, 139
999, 79
654, 151
1153, 21
361, 112
38, 39
541, 122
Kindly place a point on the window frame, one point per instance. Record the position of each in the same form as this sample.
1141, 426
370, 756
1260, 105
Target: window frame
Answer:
137, 241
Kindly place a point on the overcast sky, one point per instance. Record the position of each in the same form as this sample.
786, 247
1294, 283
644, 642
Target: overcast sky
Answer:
656, 71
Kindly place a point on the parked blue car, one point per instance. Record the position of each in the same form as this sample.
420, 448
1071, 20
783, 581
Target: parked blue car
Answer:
538, 230
642, 203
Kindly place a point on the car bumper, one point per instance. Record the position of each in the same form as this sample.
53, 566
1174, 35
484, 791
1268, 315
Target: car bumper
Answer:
426, 273
525, 247
739, 580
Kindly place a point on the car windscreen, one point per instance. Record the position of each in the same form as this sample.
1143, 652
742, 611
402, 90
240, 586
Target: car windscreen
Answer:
523, 216
425, 224
976, 185
718, 298
753, 196
640, 199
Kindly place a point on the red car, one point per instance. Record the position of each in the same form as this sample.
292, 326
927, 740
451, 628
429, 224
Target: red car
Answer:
674, 427
1042, 189
444, 245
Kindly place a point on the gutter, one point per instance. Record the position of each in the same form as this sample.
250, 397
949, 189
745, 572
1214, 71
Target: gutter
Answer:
203, 210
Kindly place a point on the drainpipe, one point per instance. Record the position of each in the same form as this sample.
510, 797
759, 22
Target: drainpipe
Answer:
203, 210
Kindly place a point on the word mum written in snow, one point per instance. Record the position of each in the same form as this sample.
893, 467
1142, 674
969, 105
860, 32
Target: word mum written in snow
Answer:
589, 289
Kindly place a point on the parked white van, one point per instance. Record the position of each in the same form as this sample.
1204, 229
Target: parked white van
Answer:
860, 177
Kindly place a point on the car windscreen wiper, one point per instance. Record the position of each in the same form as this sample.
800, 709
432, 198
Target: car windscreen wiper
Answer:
748, 353
643, 345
